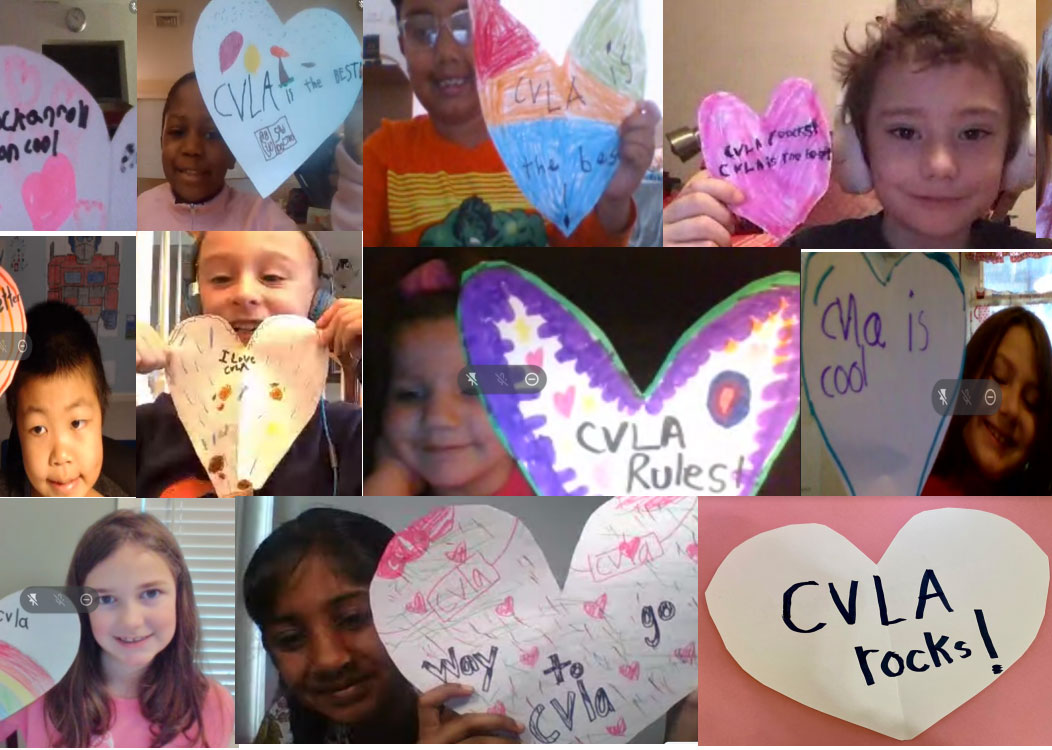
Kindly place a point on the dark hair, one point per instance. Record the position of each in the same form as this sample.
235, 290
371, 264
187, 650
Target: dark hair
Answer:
398, 8
932, 37
62, 341
1036, 478
173, 689
1044, 110
191, 76
350, 542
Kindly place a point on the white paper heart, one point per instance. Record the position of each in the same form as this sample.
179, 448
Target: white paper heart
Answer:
36, 650
465, 595
244, 405
712, 421
983, 567
124, 158
878, 332
275, 91
54, 149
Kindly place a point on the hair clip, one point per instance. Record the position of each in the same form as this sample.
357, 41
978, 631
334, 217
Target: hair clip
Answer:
427, 278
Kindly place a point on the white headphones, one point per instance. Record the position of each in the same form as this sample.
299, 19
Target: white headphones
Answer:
853, 175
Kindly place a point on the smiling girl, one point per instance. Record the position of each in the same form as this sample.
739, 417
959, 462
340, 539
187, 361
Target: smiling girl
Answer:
1005, 453
135, 681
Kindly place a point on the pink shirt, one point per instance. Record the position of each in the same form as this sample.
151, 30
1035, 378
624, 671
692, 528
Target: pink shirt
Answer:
129, 728
347, 203
230, 209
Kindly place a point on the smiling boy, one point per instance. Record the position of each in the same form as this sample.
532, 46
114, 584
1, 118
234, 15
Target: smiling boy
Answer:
438, 179
939, 106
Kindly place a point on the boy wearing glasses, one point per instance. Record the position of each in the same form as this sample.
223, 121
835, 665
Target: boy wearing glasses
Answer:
438, 180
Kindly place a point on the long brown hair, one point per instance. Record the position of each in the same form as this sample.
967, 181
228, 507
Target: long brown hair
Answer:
1036, 476
173, 689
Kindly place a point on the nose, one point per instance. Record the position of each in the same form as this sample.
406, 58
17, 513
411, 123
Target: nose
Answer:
446, 46
326, 650
939, 161
130, 616
246, 290
1010, 398
193, 143
60, 449
442, 410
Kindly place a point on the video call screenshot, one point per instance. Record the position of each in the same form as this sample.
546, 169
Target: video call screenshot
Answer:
761, 457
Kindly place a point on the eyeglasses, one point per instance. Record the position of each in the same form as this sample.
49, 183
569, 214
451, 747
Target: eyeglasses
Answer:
423, 29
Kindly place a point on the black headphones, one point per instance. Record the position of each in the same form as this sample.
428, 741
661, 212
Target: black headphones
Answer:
322, 300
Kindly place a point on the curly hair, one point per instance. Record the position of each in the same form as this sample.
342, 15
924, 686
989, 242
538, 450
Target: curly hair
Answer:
927, 38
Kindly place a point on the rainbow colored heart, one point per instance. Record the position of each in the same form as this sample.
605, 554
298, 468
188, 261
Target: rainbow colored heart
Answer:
557, 126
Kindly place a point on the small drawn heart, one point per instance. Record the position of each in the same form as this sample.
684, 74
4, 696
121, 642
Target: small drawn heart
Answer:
50, 195
687, 654
89, 215
22, 81
630, 671
618, 729
596, 609
564, 401
417, 606
692, 551
458, 555
497, 708
506, 608
535, 358
780, 161
529, 658
629, 549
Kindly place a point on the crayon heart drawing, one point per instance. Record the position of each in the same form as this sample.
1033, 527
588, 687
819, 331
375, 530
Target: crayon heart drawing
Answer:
596, 660
56, 160
780, 161
12, 326
557, 126
894, 645
879, 332
712, 421
275, 91
36, 649
243, 405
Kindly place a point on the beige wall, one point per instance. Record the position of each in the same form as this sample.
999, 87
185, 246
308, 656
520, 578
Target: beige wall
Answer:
749, 46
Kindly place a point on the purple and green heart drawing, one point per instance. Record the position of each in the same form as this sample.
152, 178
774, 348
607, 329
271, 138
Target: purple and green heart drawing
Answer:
712, 422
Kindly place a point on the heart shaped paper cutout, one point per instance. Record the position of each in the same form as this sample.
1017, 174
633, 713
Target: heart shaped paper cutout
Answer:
12, 327
713, 420
781, 161
244, 405
55, 166
36, 650
628, 623
290, 90
986, 569
124, 159
557, 127
918, 336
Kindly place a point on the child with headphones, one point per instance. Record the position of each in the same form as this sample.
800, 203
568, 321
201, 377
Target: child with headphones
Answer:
245, 277
935, 119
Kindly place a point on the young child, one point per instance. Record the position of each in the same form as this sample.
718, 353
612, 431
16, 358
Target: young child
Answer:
195, 160
1004, 453
441, 172
57, 401
938, 101
436, 439
135, 680
246, 277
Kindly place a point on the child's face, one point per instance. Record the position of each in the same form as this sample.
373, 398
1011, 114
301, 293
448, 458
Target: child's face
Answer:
441, 434
1000, 443
60, 428
443, 76
936, 140
245, 277
136, 616
323, 642
193, 154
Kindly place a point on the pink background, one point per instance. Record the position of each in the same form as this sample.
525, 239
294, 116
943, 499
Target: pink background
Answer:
735, 709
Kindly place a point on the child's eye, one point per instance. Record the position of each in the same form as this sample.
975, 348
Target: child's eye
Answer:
175, 132
354, 620
212, 135
291, 640
408, 395
975, 134
78, 423
151, 594
904, 133
272, 278
37, 430
220, 279
107, 599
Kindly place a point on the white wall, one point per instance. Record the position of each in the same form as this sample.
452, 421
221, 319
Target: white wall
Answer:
748, 47
31, 24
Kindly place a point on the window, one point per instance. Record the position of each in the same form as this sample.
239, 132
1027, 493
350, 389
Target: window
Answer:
205, 532
1007, 279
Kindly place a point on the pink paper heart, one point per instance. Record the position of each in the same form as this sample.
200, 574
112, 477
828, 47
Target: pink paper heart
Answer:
780, 161
50, 195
